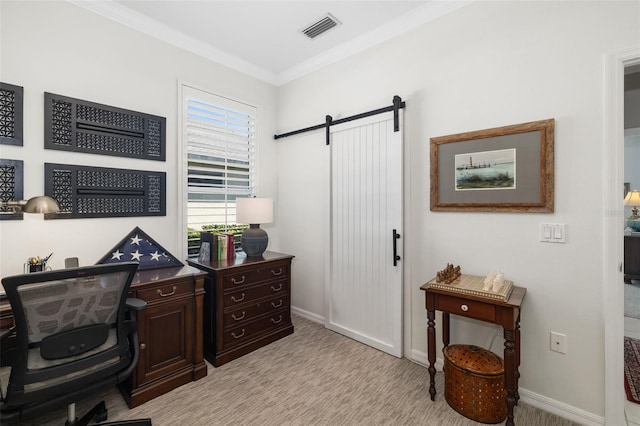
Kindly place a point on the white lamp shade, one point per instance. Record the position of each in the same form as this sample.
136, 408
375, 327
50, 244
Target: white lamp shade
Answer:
632, 198
254, 210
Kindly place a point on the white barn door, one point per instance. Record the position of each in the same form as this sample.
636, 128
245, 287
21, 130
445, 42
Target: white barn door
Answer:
363, 287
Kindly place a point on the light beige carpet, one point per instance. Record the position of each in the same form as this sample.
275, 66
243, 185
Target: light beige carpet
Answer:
312, 377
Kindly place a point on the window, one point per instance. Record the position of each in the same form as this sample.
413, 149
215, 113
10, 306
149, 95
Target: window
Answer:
219, 135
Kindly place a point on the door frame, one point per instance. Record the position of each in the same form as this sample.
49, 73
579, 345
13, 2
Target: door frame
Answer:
613, 223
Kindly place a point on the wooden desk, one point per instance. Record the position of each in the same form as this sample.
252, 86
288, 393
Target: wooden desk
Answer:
505, 314
169, 331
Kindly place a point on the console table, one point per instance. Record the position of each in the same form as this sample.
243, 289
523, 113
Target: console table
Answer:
503, 313
247, 304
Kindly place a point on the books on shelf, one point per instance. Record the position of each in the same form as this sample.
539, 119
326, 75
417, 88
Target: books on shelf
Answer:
472, 285
220, 246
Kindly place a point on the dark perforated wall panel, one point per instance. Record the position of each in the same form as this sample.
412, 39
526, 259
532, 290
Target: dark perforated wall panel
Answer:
11, 186
11, 114
84, 192
82, 126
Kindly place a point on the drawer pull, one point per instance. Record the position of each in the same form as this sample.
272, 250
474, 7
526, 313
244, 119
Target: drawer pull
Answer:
142, 346
239, 335
238, 300
168, 294
279, 320
278, 288
273, 305
233, 280
238, 318
464, 308
275, 274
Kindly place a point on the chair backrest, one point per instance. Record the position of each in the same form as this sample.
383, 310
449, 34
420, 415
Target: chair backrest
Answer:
70, 330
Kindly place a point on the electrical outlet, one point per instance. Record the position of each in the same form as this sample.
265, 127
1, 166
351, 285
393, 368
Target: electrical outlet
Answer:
558, 342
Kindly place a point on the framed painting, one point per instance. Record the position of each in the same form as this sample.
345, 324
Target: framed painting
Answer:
504, 169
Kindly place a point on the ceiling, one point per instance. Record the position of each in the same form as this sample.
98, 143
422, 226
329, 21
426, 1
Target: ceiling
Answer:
263, 38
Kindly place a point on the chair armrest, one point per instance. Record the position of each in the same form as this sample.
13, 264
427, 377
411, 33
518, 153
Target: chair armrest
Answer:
5, 333
7, 347
135, 304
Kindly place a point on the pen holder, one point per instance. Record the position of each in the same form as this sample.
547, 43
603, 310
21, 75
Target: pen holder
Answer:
34, 267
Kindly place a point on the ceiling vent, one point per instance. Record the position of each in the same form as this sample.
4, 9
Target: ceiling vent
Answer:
323, 25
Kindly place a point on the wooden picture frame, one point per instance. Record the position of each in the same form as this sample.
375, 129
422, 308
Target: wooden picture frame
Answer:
504, 169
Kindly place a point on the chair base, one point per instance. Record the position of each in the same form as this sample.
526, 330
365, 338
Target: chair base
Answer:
99, 414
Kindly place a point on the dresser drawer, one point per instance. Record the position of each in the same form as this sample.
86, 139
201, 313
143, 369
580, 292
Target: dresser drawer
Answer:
248, 295
248, 313
231, 281
244, 332
469, 308
166, 291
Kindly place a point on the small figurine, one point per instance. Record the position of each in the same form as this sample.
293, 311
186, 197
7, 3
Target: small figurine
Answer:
488, 282
448, 274
498, 282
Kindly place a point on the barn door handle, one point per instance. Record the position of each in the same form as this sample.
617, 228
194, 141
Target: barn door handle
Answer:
396, 237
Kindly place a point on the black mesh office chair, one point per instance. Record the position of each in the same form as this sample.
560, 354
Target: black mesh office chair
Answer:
75, 334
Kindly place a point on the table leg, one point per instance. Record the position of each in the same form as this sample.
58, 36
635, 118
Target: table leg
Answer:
445, 329
509, 373
517, 358
431, 352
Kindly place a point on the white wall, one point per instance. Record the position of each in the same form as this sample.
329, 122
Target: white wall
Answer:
632, 109
61, 48
632, 163
486, 65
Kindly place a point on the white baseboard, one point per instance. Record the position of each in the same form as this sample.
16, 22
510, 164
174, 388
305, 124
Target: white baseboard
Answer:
632, 327
421, 358
531, 398
632, 413
560, 408
307, 315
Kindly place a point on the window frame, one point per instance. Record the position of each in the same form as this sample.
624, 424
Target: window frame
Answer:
184, 91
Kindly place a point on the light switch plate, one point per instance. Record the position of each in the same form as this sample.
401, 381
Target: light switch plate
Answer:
553, 233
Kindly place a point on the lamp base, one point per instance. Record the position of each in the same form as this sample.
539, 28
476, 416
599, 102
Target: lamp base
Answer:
634, 224
254, 241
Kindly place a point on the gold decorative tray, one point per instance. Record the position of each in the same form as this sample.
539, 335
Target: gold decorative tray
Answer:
471, 284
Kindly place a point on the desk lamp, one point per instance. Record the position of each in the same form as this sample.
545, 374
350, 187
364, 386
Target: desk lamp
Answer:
39, 204
633, 199
254, 211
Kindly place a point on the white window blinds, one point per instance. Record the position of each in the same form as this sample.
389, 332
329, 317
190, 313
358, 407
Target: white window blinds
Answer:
220, 138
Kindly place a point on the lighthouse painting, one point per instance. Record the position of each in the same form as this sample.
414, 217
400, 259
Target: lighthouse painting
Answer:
486, 170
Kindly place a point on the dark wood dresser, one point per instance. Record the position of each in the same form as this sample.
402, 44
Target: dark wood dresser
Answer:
247, 304
631, 258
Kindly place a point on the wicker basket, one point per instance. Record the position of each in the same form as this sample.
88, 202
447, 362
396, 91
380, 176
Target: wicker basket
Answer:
474, 383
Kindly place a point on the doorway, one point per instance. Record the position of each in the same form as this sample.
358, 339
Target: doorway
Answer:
631, 242
613, 291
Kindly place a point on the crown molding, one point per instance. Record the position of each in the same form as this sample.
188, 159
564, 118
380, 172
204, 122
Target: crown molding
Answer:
137, 21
